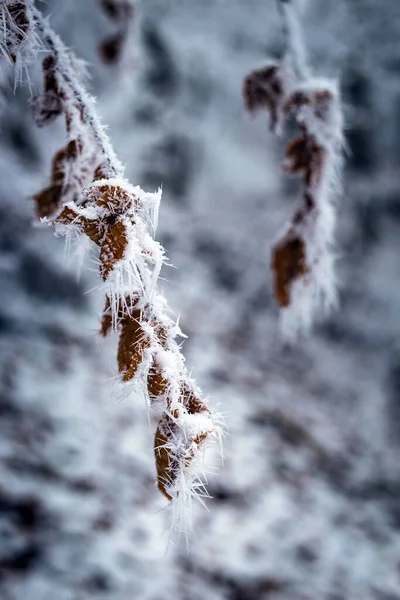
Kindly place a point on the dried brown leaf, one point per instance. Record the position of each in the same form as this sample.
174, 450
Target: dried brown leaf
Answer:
288, 264
114, 198
48, 201
111, 48
305, 156
113, 247
264, 88
99, 173
157, 384
319, 100
163, 458
50, 104
193, 403
106, 322
168, 465
133, 342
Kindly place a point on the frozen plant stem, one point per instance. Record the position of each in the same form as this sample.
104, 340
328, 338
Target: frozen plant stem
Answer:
303, 259
88, 197
53, 42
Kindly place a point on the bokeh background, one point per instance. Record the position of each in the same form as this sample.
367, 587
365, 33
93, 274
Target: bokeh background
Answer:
307, 503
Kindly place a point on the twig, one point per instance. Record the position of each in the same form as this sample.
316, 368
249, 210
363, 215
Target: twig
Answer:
295, 49
85, 100
120, 219
303, 258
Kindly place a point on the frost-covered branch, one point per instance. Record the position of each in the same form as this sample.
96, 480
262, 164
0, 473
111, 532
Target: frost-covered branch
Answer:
303, 259
88, 197
53, 42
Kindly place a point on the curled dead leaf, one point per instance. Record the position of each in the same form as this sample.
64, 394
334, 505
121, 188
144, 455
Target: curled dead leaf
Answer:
113, 198
133, 342
288, 264
113, 247
305, 156
47, 201
157, 384
264, 88
163, 458
111, 48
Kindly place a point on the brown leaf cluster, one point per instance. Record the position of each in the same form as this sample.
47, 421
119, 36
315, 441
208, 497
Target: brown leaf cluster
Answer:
318, 100
138, 335
107, 213
305, 157
141, 334
54, 100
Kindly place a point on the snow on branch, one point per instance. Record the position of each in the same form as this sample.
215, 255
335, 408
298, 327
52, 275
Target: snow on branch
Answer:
303, 260
65, 66
88, 197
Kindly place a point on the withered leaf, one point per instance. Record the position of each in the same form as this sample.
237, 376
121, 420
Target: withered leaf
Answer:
48, 201
100, 172
264, 88
113, 247
157, 384
132, 344
305, 156
111, 49
167, 464
163, 459
288, 264
114, 198
106, 321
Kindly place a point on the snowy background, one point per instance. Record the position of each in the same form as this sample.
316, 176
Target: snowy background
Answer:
307, 503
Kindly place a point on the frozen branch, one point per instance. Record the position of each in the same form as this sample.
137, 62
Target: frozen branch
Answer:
303, 258
89, 198
53, 42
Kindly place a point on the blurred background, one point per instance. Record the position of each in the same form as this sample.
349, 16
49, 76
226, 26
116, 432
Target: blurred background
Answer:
307, 503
